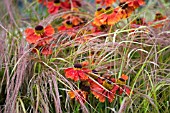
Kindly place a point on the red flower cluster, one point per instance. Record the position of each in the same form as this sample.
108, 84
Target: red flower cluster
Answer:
110, 15
155, 23
55, 5
108, 87
101, 88
40, 36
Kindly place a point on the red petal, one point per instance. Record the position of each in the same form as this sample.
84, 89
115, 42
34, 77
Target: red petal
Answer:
120, 91
72, 74
52, 8
29, 31
125, 77
49, 30
33, 38
65, 5
82, 75
115, 88
61, 28
102, 97
127, 90
111, 96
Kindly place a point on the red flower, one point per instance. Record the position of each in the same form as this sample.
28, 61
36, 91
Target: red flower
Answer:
77, 73
99, 15
79, 95
34, 35
113, 15
110, 86
125, 9
158, 17
54, 6
68, 28
108, 91
110, 16
121, 82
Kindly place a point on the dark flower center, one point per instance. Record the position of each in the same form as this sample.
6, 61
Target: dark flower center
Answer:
77, 65
121, 79
39, 29
103, 26
56, 1
108, 8
107, 84
68, 22
138, 21
123, 5
158, 16
99, 9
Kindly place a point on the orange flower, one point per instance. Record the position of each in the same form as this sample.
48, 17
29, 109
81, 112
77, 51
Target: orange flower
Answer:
113, 15
158, 17
125, 9
77, 73
74, 19
107, 16
39, 33
122, 80
67, 27
110, 16
99, 15
123, 88
79, 95
54, 6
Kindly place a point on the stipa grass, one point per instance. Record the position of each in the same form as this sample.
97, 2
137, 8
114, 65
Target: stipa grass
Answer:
91, 59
